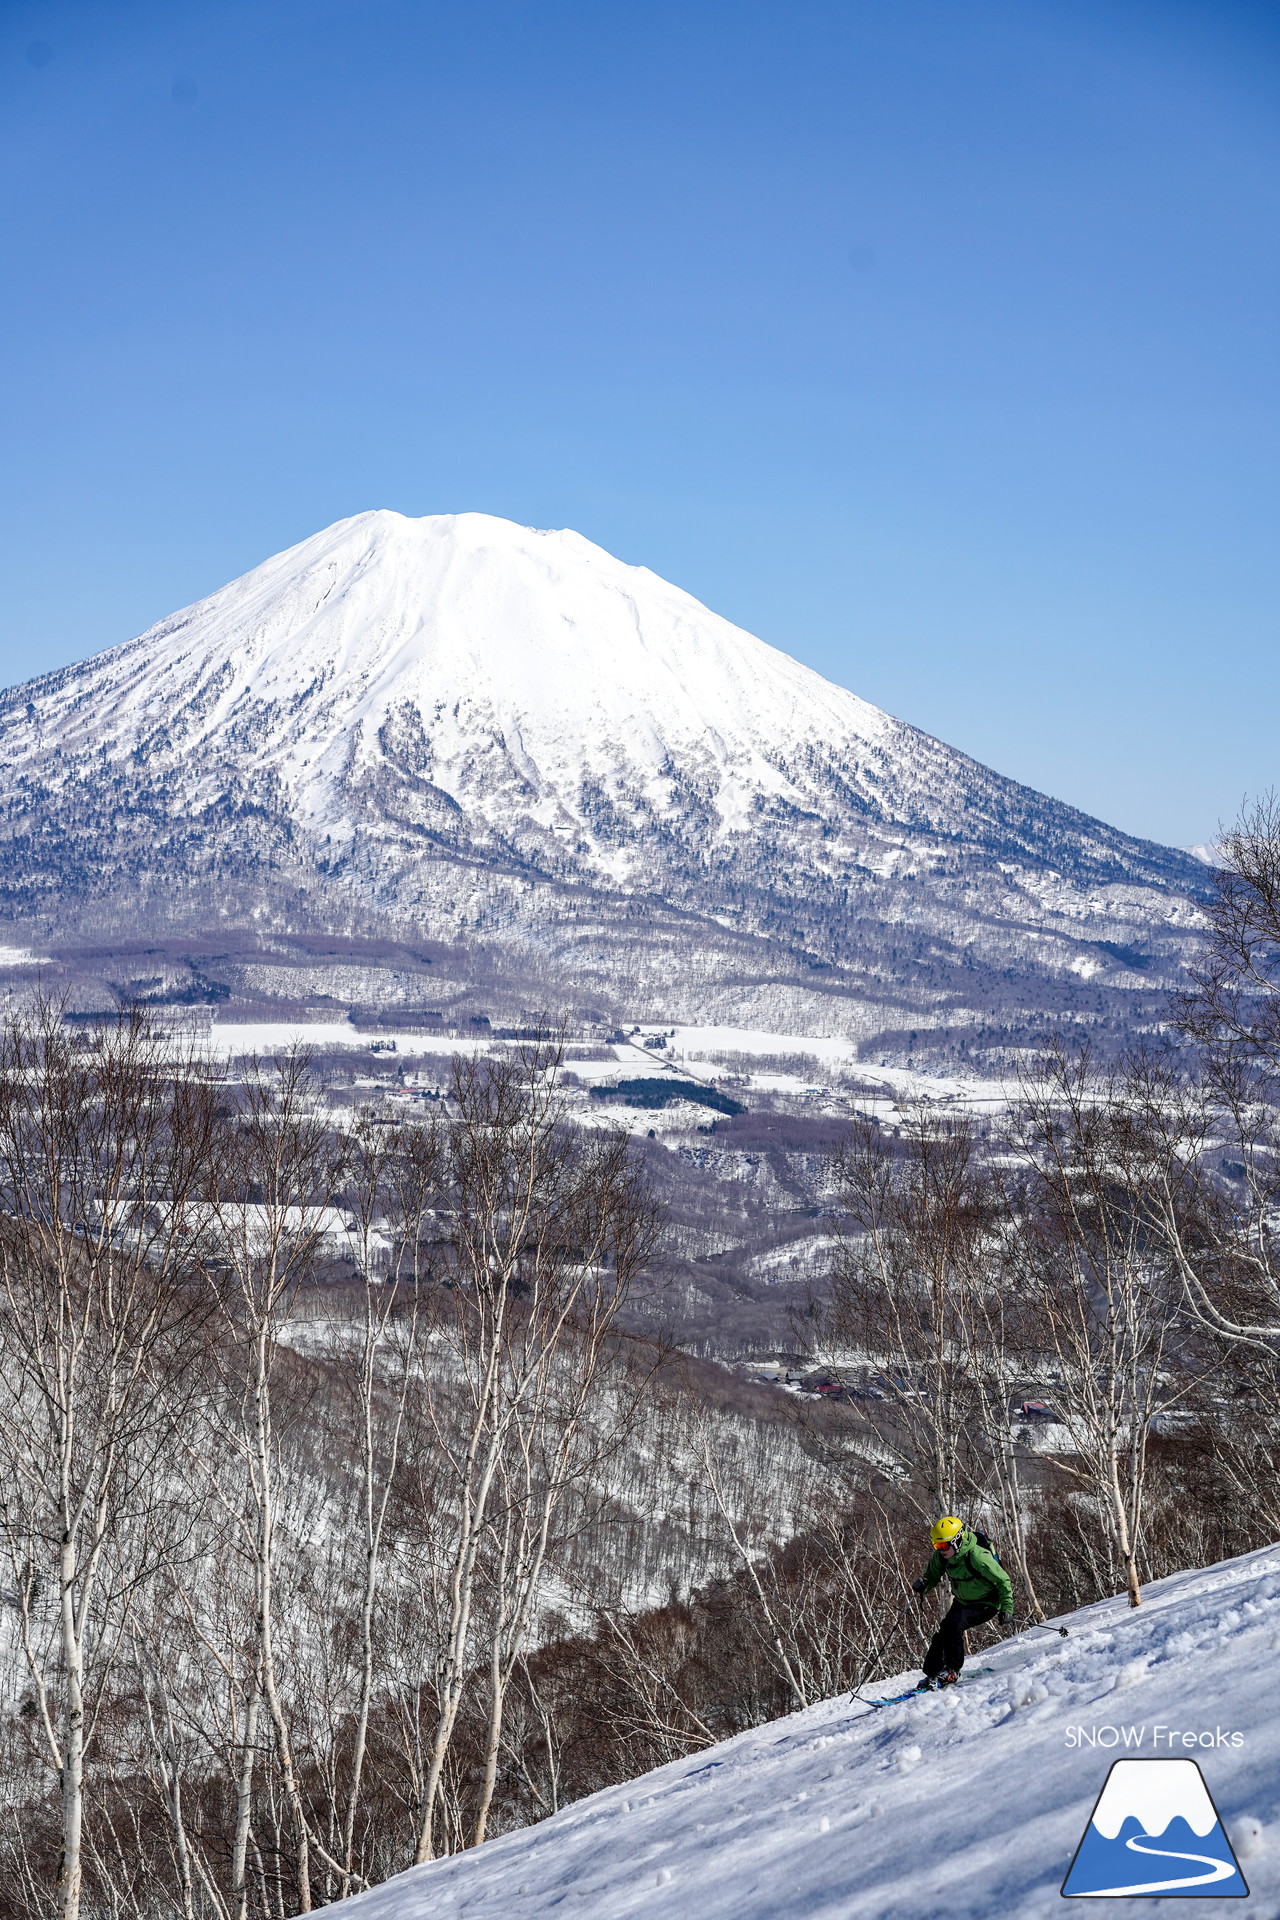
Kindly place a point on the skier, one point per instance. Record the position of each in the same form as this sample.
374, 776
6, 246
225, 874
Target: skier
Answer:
980, 1589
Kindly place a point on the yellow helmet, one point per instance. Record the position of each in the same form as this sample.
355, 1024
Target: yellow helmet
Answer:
945, 1530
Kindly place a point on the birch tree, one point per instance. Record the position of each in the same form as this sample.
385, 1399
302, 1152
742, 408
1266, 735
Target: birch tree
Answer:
103, 1147
919, 1220
266, 1221
1212, 1116
1101, 1288
549, 1232
393, 1178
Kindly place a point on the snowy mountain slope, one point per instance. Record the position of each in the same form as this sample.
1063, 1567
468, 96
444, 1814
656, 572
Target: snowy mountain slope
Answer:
529, 677
510, 737
968, 1803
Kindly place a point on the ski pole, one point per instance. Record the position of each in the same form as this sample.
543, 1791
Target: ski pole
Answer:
1036, 1627
885, 1644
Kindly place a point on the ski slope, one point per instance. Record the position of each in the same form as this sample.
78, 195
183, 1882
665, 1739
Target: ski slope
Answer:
968, 1803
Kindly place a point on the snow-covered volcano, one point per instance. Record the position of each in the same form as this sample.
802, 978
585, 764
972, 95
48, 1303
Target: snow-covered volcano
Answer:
542, 686
488, 731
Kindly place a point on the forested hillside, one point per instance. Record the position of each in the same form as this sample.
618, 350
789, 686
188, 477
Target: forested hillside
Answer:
360, 1506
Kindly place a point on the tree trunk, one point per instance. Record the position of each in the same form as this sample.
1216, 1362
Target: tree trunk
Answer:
244, 1801
1124, 1534
70, 1870
266, 1602
493, 1740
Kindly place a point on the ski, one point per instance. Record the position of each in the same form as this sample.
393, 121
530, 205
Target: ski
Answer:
914, 1693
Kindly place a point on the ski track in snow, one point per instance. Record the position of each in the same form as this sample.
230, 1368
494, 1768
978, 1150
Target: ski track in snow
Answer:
967, 1803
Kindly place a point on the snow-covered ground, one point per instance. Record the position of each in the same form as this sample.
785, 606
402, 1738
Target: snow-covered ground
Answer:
968, 1804
689, 1046
233, 1039
687, 1052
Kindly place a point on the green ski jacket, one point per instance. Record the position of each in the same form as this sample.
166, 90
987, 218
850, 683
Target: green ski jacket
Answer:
976, 1576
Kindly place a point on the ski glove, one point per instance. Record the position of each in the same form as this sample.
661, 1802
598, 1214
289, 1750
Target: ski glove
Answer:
917, 1586
1006, 1619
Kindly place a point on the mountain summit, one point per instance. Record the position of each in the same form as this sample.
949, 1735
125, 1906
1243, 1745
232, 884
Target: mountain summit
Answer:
509, 741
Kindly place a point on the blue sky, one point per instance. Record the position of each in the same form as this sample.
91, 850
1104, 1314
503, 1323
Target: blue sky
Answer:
935, 342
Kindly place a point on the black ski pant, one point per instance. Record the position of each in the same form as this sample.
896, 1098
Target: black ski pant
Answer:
946, 1649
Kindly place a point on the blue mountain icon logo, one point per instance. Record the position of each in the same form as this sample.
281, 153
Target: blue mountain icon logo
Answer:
1154, 1830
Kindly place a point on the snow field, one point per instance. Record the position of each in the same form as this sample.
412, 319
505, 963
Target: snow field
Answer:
968, 1803
689, 1044
237, 1040
686, 1051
